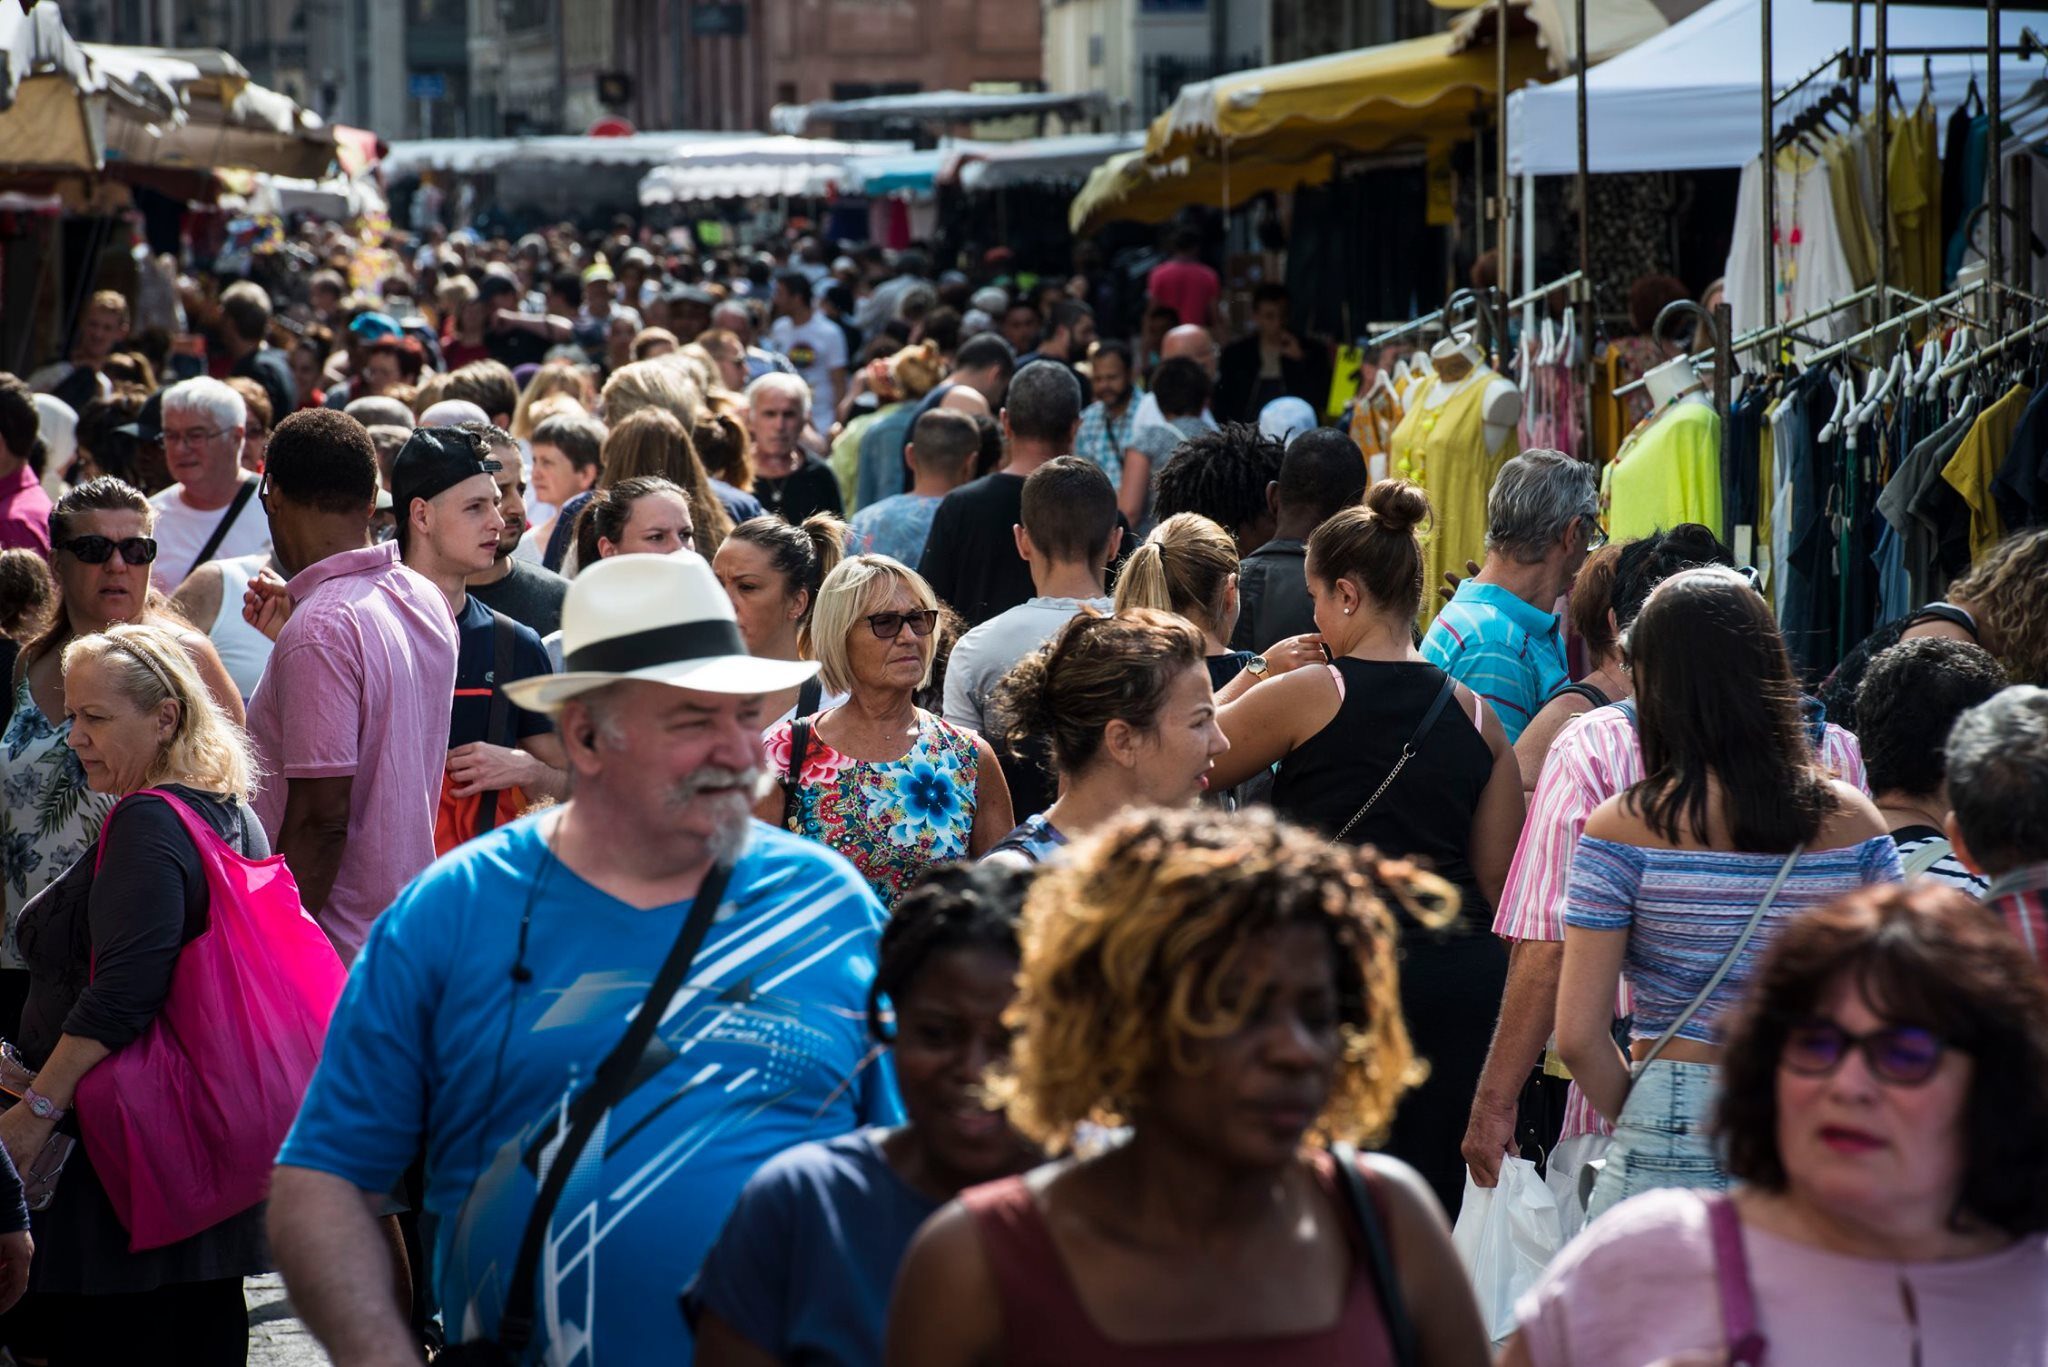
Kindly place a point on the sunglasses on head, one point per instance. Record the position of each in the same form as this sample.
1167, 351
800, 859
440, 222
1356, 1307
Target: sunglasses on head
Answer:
1903, 1055
889, 625
98, 550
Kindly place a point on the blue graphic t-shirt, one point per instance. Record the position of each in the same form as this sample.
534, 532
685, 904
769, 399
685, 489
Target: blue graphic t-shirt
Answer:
435, 1044
897, 527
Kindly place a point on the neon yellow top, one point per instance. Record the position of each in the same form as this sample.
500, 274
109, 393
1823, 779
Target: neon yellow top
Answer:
1667, 473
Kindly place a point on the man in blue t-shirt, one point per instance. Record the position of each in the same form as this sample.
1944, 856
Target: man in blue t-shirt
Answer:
493, 988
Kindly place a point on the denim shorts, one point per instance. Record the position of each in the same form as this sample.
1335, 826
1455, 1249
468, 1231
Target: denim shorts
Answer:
1662, 1138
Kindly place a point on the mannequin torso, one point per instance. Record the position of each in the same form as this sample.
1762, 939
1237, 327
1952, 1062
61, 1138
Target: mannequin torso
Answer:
1459, 365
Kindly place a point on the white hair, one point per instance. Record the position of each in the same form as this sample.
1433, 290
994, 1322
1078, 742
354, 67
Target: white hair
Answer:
780, 381
210, 399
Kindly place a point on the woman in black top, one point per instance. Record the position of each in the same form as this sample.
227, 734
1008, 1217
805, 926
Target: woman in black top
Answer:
101, 949
1380, 748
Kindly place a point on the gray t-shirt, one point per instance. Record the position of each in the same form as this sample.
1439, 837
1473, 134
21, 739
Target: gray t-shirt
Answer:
985, 654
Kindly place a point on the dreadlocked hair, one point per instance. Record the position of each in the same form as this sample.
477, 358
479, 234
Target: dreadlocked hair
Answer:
951, 906
1134, 947
1221, 474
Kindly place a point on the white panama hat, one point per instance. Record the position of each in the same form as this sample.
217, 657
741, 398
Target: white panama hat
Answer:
659, 618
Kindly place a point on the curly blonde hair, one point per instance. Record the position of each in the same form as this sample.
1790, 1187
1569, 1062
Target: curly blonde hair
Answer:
1131, 947
2008, 590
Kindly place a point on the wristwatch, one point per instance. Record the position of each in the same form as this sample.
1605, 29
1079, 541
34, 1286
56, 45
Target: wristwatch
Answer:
40, 1106
1257, 667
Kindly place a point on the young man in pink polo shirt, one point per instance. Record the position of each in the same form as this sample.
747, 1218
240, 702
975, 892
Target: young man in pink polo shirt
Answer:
351, 716
24, 507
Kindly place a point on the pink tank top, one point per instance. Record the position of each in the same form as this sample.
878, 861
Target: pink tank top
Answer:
1046, 1325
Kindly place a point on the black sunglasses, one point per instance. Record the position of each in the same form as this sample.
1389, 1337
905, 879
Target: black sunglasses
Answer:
889, 625
1903, 1055
98, 550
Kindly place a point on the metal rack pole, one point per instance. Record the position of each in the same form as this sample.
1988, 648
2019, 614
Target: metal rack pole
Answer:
1994, 161
1770, 176
1884, 159
1503, 243
1582, 288
1756, 337
1931, 306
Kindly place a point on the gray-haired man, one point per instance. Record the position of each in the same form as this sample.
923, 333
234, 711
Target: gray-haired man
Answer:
1500, 636
1998, 792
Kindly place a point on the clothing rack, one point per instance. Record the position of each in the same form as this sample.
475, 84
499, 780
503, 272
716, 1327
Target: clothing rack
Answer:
1892, 324
1997, 348
1750, 341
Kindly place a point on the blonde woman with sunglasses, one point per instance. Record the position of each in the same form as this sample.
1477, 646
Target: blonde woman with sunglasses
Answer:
885, 783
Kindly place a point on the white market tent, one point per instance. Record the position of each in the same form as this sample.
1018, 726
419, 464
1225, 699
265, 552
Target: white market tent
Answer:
1044, 161
1688, 98
761, 166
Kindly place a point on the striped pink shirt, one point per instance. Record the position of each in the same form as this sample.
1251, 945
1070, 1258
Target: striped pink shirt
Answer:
2021, 897
1596, 756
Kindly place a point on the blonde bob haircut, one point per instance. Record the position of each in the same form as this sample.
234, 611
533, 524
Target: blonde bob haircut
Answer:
859, 586
556, 379
1135, 950
147, 664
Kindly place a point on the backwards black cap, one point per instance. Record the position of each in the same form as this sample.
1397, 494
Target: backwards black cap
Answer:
436, 459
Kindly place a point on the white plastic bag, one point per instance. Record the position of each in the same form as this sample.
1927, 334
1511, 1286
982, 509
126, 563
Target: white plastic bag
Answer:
1565, 1176
1506, 1235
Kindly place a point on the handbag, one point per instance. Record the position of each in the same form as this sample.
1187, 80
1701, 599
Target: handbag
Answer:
792, 777
1408, 749
1378, 1255
614, 1075
184, 1123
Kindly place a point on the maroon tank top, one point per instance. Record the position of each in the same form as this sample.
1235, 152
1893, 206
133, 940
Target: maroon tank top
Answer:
1046, 1325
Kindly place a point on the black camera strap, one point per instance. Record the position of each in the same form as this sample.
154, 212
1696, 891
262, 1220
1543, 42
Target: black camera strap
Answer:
515, 1325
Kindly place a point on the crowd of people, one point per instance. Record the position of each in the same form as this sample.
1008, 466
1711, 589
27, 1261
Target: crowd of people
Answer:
867, 822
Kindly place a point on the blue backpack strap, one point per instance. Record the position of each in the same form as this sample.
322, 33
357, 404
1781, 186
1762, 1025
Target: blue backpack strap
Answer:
1627, 708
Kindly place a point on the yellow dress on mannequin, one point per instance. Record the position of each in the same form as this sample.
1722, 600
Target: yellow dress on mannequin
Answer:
1444, 450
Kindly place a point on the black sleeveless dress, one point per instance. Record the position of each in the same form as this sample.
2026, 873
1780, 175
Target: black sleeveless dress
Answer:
1452, 979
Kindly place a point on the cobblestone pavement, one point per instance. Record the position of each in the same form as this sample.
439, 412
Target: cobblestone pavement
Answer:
276, 1338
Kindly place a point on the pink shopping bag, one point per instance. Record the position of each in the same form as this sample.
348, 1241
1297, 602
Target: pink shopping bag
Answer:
184, 1123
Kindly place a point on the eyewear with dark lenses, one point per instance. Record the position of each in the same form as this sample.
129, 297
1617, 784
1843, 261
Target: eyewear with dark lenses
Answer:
97, 550
1903, 1055
889, 625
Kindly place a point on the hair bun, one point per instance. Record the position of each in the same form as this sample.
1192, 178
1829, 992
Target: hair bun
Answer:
1398, 504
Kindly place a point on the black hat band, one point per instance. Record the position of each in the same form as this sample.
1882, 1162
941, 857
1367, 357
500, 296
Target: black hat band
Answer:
657, 646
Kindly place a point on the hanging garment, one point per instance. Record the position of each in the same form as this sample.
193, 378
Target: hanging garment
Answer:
1812, 270
1805, 546
1976, 151
1973, 468
1859, 246
2022, 484
1914, 200
1668, 472
1374, 418
1444, 450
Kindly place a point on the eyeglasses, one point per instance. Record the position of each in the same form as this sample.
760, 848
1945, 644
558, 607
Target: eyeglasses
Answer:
889, 625
98, 550
194, 438
1903, 1055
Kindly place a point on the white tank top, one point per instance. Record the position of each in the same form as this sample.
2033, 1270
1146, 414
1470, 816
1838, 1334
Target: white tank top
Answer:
243, 649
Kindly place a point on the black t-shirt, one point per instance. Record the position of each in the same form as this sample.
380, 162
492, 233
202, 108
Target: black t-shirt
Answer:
970, 558
268, 367
474, 663
528, 595
813, 488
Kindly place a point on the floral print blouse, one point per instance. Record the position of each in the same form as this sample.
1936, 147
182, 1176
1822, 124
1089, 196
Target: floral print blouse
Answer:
893, 818
48, 817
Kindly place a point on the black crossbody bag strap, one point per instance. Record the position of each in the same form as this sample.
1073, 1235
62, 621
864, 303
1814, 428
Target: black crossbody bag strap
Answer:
1378, 1255
1408, 752
799, 746
515, 1325
227, 522
498, 721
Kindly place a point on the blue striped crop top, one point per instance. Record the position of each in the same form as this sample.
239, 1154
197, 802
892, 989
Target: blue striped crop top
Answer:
1684, 908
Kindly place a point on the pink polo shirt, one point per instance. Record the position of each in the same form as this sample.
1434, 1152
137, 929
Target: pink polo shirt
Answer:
24, 513
361, 684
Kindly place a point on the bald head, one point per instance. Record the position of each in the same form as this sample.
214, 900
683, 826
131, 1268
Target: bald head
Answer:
1193, 342
965, 398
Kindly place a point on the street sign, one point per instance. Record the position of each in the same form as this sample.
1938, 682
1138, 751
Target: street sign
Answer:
427, 85
718, 20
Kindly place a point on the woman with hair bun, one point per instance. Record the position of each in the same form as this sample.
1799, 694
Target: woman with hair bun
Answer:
772, 572
1126, 704
1225, 986
1382, 748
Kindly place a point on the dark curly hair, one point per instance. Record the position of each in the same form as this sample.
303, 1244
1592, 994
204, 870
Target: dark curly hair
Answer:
1222, 475
1929, 956
951, 906
1907, 704
1648, 561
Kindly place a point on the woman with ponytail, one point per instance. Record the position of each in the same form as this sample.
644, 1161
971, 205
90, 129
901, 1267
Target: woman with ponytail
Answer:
1382, 748
772, 572
1125, 702
1188, 566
